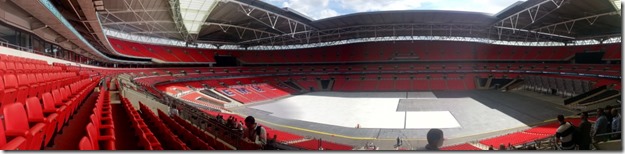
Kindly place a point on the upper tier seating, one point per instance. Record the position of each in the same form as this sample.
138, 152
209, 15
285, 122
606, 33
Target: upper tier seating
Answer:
371, 51
169, 54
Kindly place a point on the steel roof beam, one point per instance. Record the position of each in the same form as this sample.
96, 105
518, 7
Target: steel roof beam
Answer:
273, 19
130, 11
240, 29
308, 35
512, 22
590, 19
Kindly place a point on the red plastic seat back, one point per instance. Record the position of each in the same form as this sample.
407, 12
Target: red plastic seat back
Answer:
93, 135
22, 80
48, 102
33, 79
34, 110
3, 67
10, 67
15, 117
85, 144
10, 81
57, 97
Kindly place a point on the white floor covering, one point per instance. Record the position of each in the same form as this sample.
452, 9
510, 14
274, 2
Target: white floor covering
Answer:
373, 110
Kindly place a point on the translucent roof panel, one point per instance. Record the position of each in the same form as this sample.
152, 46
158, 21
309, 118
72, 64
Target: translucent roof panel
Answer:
617, 4
195, 12
321, 9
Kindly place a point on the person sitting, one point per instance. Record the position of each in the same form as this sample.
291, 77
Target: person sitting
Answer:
254, 132
502, 147
435, 139
564, 134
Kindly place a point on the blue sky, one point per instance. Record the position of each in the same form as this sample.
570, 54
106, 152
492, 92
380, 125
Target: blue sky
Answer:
319, 9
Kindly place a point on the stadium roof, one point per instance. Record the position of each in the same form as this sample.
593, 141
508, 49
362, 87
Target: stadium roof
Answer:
253, 22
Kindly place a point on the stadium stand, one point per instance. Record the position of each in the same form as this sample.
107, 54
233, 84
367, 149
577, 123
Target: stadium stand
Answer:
139, 78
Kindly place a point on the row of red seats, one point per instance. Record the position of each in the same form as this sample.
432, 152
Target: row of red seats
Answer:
315, 144
101, 130
603, 69
342, 69
22, 67
255, 92
461, 147
581, 68
518, 138
175, 54
271, 91
211, 140
189, 138
513, 139
280, 136
146, 137
163, 134
370, 51
31, 126
550, 128
424, 50
226, 134
10, 58
18, 87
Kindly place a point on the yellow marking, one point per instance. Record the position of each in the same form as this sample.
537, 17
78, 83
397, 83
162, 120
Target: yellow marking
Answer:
319, 132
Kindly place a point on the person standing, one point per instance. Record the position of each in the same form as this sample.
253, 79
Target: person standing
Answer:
584, 131
564, 134
616, 123
600, 127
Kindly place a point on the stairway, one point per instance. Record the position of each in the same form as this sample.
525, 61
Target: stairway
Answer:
510, 83
488, 82
232, 101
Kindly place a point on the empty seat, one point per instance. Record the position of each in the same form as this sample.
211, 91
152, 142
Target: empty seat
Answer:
23, 88
12, 143
107, 143
10, 89
17, 125
34, 86
59, 103
85, 144
36, 115
104, 131
50, 108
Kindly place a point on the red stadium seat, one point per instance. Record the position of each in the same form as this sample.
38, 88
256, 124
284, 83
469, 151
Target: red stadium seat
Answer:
10, 89
50, 108
107, 142
17, 125
35, 114
23, 87
85, 144
11, 143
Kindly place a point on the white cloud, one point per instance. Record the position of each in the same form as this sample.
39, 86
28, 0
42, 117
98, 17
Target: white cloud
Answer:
382, 5
316, 9
319, 9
